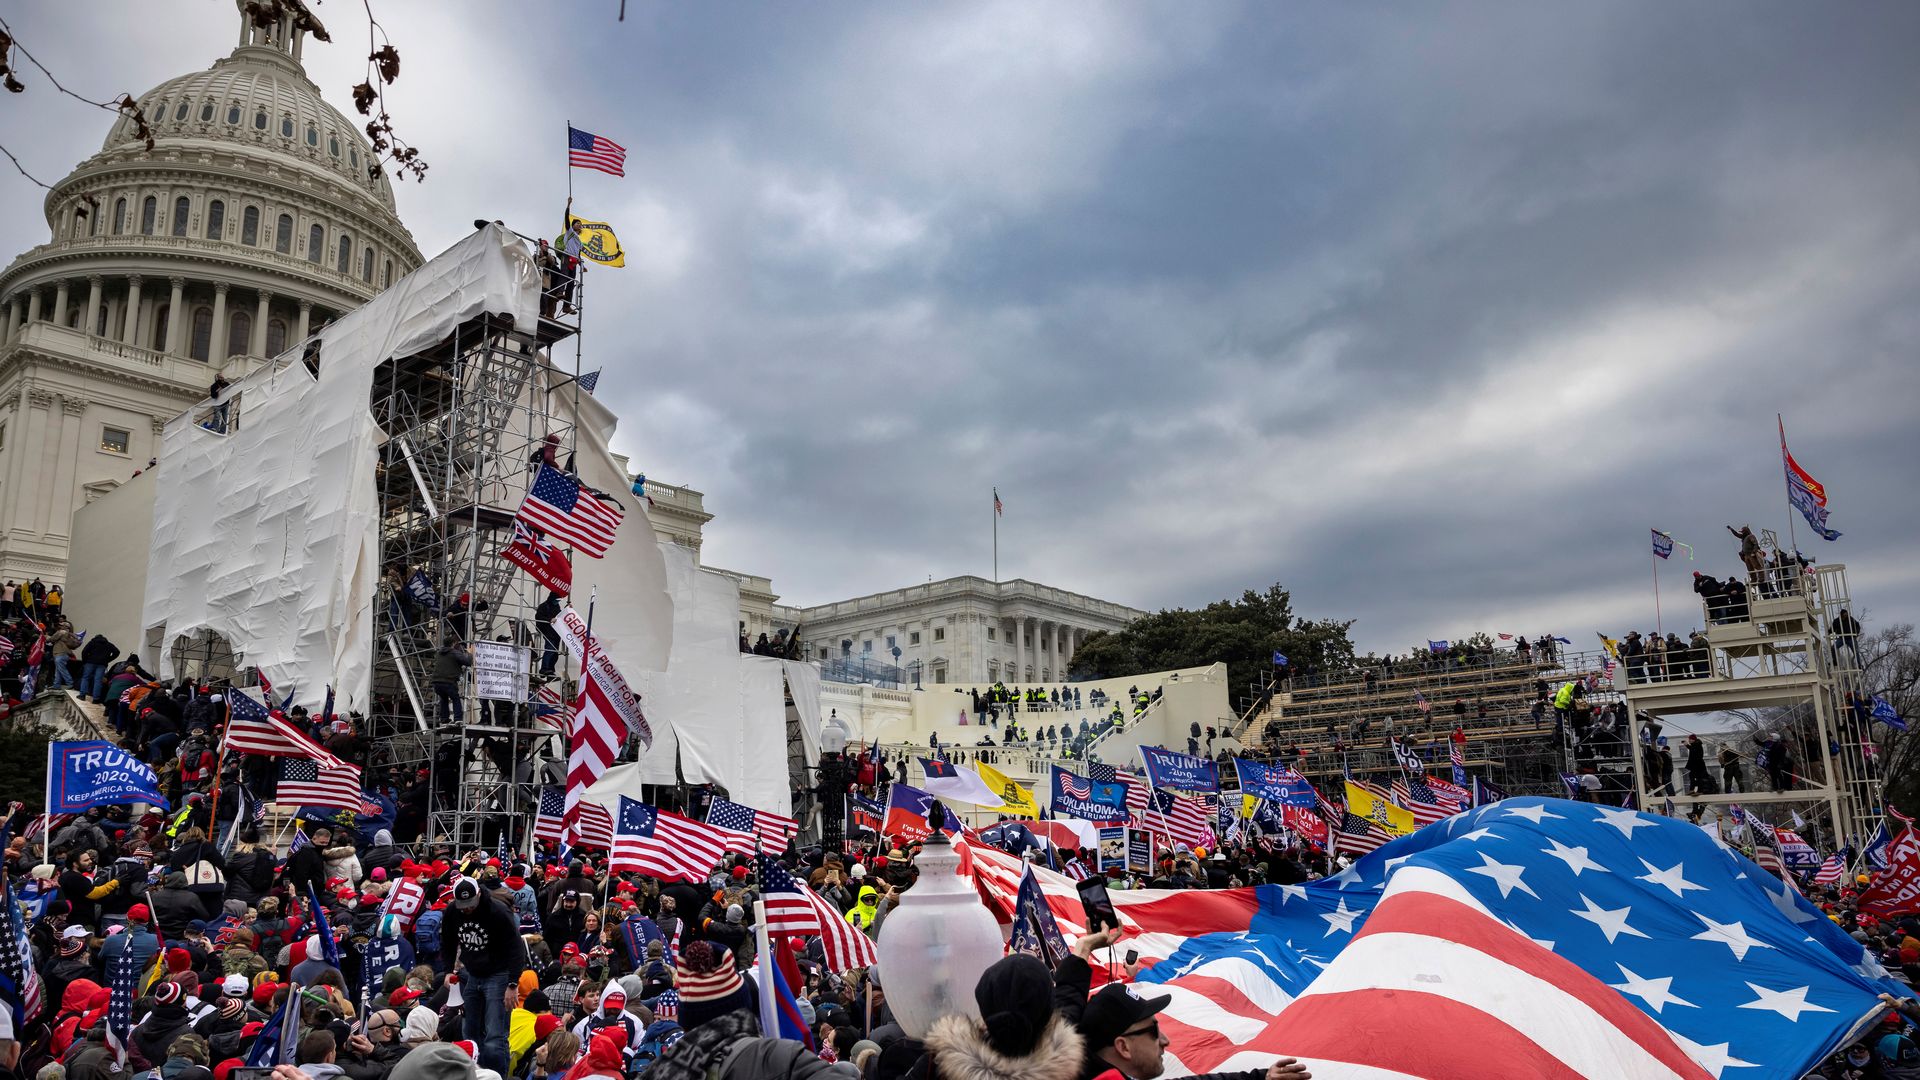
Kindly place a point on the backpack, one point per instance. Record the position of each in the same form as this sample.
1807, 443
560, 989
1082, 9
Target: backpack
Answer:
426, 932
659, 1036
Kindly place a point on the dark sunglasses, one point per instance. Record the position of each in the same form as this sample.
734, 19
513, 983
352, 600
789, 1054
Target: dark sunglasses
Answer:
1152, 1031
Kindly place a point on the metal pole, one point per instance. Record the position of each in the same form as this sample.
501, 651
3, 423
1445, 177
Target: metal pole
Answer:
1658, 626
1787, 476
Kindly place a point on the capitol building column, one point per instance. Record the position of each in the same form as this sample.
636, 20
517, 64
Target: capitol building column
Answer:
306, 316
33, 305
90, 320
130, 332
60, 294
176, 316
259, 344
218, 355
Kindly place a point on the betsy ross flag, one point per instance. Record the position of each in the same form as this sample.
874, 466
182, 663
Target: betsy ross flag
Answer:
543, 560
559, 507
585, 150
792, 908
663, 844
252, 729
309, 783
1806, 494
749, 831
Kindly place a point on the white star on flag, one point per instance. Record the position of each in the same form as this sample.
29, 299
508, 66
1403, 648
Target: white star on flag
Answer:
1505, 875
1672, 878
1575, 857
1654, 992
1532, 813
1624, 820
1340, 921
1733, 935
1788, 1003
1611, 923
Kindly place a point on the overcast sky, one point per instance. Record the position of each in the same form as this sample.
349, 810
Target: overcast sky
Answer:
1427, 311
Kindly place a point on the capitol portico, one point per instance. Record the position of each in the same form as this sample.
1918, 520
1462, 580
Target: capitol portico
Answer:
257, 217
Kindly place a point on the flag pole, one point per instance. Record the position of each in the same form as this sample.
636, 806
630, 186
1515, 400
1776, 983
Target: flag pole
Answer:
1786, 476
1658, 628
996, 536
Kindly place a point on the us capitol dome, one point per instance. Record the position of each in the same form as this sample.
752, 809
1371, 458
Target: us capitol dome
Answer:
256, 218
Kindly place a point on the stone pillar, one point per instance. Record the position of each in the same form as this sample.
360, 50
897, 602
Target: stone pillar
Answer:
6, 323
16, 318
60, 303
91, 320
62, 499
130, 333
1018, 663
176, 316
33, 304
217, 352
306, 315
259, 345
29, 471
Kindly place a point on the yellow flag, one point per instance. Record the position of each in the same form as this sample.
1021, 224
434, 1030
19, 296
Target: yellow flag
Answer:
1018, 799
1248, 805
597, 242
1392, 820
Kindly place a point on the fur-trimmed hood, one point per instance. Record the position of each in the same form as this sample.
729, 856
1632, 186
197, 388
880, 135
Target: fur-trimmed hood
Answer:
960, 1052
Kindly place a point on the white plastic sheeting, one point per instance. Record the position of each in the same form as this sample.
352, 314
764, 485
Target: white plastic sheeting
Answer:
268, 535
721, 714
803, 680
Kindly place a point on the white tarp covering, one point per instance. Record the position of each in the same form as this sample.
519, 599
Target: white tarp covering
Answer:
267, 535
803, 685
721, 713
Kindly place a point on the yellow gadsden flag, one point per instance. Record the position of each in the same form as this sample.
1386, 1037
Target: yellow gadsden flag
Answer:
1392, 820
597, 242
1018, 799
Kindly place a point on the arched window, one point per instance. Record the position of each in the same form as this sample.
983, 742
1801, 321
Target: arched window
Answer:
366, 266
158, 110
73, 317
260, 120
206, 113
100, 322
276, 336
201, 342
250, 226
233, 114
283, 235
353, 157
313, 135
149, 209
386, 274
316, 244
286, 127
160, 314
180, 112
333, 145
181, 206
346, 254
119, 216
216, 219
239, 333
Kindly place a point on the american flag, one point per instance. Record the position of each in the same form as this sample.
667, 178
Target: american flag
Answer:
1632, 918
1416, 794
252, 729
1181, 820
585, 150
595, 826
309, 783
1830, 871
1350, 832
663, 844
557, 506
792, 908
6, 649
549, 707
597, 735
590, 380
998, 510
22, 988
123, 985
749, 831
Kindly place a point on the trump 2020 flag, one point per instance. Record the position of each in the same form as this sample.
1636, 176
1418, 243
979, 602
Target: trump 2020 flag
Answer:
97, 773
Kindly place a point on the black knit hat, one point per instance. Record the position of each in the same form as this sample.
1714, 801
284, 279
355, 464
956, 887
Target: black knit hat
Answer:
1015, 996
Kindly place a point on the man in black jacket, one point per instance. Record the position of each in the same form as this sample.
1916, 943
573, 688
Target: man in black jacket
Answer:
483, 936
307, 868
95, 655
1120, 1028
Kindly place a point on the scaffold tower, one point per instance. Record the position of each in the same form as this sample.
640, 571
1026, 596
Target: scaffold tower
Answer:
464, 423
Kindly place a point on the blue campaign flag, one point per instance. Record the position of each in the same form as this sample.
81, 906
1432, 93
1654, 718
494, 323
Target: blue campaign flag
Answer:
1485, 793
1876, 850
1563, 641
1276, 782
421, 590
329, 948
1437, 646
1181, 772
271, 1046
1034, 921
1662, 544
1886, 714
1279, 658
97, 773
1088, 799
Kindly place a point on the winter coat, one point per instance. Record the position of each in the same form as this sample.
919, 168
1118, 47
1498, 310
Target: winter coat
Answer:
249, 876
958, 1050
157, 1032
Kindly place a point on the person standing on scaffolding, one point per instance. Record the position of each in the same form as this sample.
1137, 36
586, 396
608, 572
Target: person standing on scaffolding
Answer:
570, 247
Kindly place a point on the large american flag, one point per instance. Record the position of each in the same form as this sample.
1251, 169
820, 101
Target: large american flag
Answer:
253, 729
1538, 930
1413, 793
663, 844
749, 831
559, 507
792, 908
595, 826
309, 783
596, 735
585, 150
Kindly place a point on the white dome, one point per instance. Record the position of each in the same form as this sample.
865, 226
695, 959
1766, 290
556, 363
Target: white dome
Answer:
258, 98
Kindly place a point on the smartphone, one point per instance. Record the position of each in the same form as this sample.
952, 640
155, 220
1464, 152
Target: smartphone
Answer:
1098, 905
1133, 957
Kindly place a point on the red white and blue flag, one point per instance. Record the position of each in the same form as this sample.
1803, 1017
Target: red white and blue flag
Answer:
559, 507
585, 150
663, 844
749, 831
792, 908
543, 560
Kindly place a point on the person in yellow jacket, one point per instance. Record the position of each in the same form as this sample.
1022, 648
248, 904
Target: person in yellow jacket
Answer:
866, 910
1563, 701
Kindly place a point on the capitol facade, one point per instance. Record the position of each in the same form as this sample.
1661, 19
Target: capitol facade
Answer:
257, 217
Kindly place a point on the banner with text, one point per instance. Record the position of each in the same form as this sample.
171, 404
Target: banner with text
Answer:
1088, 799
1276, 782
1896, 890
1181, 772
97, 773
572, 628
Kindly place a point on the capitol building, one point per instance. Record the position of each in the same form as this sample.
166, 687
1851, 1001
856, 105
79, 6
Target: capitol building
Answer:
257, 217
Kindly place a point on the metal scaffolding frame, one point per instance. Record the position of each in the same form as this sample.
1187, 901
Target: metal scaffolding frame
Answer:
1780, 653
461, 422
